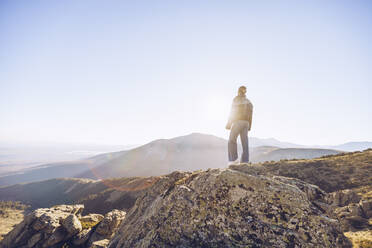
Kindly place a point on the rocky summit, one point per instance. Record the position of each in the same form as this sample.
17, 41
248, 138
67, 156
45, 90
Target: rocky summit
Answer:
212, 208
230, 208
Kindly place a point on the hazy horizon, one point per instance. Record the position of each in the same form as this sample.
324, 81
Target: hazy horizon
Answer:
124, 72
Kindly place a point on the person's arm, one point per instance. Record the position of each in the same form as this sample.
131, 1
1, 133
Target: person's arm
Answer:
250, 116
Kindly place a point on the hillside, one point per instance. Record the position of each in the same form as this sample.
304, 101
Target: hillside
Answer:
213, 208
331, 173
164, 156
57, 170
11, 213
190, 152
98, 196
346, 177
353, 146
262, 154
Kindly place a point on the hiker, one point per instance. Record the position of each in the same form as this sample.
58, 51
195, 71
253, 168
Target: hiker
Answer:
240, 122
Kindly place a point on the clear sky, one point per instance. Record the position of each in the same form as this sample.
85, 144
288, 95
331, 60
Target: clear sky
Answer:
128, 72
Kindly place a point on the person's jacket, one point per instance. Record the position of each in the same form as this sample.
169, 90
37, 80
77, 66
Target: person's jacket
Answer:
241, 109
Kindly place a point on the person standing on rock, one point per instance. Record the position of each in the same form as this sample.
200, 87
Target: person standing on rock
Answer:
240, 122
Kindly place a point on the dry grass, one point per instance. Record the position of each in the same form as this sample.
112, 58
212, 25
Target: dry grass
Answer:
88, 224
11, 213
8, 219
131, 183
331, 173
360, 239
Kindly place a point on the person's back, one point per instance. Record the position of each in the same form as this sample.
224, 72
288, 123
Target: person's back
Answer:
240, 122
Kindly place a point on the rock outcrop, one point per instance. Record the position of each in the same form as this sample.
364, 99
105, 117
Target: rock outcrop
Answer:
353, 212
213, 208
229, 208
62, 225
107, 227
342, 198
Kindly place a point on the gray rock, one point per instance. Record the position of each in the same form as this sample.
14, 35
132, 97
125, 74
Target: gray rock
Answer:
108, 226
343, 197
34, 239
44, 227
355, 209
72, 224
354, 217
100, 244
366, 206
82, 237
110, 222
57, 236
91, 218
76, 209
228, 208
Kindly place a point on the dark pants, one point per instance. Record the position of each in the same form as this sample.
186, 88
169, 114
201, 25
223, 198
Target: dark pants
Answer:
239, 128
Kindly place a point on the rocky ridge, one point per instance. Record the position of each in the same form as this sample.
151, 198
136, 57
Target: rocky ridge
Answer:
229, 208
234, 207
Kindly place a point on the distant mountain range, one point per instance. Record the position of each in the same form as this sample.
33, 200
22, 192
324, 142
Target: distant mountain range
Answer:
347, 147
352, 146
16, 157
188, 153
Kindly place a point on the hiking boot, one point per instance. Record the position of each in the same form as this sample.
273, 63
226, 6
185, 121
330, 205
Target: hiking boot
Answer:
236, 162
245, 163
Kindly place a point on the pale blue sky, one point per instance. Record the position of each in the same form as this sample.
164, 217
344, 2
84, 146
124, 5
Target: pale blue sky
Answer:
128, 72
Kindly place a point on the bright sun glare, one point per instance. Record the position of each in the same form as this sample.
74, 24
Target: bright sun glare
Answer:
217, 107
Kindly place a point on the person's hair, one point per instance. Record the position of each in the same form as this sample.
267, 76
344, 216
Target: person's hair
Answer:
242, 90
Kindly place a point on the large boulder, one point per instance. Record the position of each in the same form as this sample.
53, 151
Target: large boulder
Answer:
60, 225
355, 216
100, 244
228, 208
91, 218
366, 206
72, 224
82, 237
107, 227
44, 227
342, 198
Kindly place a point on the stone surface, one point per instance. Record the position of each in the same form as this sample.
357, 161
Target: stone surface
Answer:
108, 226
366, 206
343, 197
228, 208
355, 216
91, 218
59, 225
82, 237
72, 224
56, 237
76, 209
100, 244
110, 222
41, 228
34, 239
